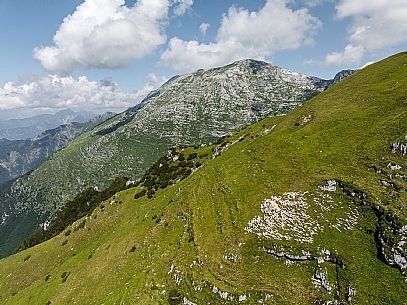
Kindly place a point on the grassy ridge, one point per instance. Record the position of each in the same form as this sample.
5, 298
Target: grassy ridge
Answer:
190, 240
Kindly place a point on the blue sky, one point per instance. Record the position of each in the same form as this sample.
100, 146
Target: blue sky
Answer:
48, 63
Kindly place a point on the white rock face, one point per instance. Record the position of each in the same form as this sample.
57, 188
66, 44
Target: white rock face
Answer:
285, 218
320, 280
394, 167
400, 261
130, 182
300, 216
330, 186
398, 147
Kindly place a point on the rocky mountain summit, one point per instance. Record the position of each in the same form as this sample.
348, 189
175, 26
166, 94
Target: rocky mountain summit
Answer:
191, 109
224, 99
342, 75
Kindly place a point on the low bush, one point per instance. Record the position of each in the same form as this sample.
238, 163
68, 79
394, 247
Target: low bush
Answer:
174, 297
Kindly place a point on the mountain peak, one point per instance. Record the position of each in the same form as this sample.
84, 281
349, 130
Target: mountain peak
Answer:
66, 111
342, 75
250, 61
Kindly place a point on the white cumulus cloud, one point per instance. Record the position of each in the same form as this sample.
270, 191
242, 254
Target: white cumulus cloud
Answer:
350, 55
245, 34
105, 34
374, 25
314, 3
54, 92
182, 6
203, 28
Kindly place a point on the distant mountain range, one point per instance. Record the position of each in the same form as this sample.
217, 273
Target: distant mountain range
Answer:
31, 127
190, 109
21, 156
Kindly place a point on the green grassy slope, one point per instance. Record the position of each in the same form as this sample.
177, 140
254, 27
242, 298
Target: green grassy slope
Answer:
192, 242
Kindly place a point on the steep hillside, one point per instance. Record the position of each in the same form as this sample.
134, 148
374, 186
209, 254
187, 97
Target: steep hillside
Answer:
21, 156
307, 208
190, 109
27, 128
